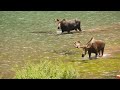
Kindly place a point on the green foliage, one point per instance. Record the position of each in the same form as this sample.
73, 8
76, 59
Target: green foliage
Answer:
103, 68
47, 70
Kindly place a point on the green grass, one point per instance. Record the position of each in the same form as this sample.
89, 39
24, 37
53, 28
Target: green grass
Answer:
31, 36
77, 69
47, 70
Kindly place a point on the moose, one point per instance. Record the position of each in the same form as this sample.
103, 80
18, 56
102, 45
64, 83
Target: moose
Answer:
68, 25
93, 46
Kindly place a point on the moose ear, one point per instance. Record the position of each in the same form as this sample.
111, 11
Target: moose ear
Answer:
63, 19
78, 41
56, 20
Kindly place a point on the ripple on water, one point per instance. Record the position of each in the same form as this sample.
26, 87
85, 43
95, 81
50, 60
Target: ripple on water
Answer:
106, 55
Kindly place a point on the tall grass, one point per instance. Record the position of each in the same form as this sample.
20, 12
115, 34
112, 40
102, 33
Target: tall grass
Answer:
47, 70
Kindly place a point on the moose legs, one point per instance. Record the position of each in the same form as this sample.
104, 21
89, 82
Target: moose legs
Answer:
101, 52
89, 53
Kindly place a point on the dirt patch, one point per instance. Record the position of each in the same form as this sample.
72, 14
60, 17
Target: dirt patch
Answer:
106, 55
42, 32
105, 28
113, 49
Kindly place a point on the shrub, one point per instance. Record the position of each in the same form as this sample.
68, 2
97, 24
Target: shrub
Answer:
47, 70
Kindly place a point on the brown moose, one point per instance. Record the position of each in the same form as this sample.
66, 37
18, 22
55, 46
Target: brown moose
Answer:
68, 25
93, 46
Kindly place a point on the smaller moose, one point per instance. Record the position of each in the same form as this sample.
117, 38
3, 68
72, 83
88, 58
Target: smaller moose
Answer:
68, 25
93, 46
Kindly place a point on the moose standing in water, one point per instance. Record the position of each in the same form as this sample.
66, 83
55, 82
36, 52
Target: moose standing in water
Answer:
68, 25
93, 46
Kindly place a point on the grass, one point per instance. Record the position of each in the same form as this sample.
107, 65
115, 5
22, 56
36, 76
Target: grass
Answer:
47, 70
77, 69
31, 36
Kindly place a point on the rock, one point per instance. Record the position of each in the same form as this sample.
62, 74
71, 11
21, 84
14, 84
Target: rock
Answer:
118, 76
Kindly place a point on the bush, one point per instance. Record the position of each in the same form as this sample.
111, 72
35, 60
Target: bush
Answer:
47, 70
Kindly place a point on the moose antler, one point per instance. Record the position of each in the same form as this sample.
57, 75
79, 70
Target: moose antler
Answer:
77, 44
91, 40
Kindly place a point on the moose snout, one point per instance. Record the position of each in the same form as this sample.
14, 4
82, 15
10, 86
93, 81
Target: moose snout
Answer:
76, 46
83, 55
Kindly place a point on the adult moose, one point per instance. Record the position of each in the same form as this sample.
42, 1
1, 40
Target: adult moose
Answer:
69, 25
93, 46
